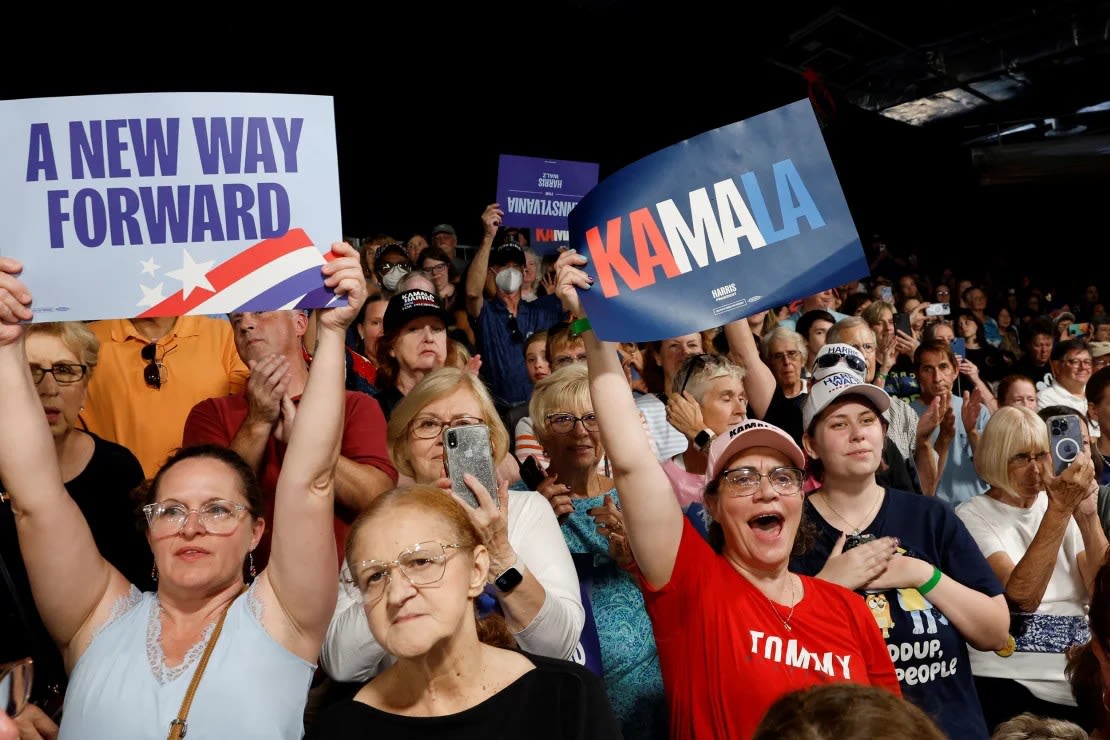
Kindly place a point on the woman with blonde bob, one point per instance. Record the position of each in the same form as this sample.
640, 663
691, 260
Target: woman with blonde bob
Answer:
543, 607
1036, 530
420, 565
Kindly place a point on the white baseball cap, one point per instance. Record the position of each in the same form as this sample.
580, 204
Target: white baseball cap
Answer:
747, 434
823, 392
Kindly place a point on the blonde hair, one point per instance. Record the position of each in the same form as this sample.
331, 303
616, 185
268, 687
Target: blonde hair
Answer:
76, 336
434, 386
1010, 430
1028, 726
566, 389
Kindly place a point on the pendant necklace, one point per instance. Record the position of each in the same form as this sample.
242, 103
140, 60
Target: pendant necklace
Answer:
855, 530
785, 621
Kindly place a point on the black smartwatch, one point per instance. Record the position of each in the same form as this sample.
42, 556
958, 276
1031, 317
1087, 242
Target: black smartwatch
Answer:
511, 578
703, 438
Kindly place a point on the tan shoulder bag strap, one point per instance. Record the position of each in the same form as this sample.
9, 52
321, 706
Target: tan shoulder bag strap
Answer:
178, 726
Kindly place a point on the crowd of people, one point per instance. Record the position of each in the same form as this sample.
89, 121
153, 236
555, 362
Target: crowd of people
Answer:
841, 517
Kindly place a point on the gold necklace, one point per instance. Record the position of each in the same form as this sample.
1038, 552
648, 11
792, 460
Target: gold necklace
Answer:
855, 530
786, 621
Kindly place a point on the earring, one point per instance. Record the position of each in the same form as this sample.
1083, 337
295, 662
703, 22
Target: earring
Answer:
250, 568
154, 572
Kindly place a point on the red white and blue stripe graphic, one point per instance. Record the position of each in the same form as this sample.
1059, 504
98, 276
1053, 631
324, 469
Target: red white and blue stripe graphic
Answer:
279, 273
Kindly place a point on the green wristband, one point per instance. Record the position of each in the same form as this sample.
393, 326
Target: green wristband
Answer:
578, 327
930, 584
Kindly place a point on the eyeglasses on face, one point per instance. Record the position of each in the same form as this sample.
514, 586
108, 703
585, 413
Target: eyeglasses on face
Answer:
152, 373
833, 359
435, 269
218, 516
745, 481
1075, 362
422, 564
15, 685
430, 427
64, 373
562, 422
1022, 459
389, 267
793, 355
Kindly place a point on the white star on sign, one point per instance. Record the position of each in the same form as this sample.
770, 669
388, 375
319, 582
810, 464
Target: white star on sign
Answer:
192, 274
149, 266
151, 296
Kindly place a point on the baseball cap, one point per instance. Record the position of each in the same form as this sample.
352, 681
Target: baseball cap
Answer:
409, 305
836, 385
836, 358
1067, 316
505, 253
391, 248
1098, 349
444, 229
747, 434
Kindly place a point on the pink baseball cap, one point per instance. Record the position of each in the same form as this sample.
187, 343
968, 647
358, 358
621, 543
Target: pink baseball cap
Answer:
747, 434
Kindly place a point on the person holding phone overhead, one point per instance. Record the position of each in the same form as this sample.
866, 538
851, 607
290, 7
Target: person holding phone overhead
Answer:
532, 579
420, 566
1042, 536
734, 628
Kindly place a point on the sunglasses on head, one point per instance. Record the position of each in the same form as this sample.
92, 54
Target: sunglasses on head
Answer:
833, 359
695, 363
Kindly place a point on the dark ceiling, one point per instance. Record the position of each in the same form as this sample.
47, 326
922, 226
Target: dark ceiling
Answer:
1026, 85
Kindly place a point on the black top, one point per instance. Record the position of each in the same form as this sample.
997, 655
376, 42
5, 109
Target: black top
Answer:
103, 493
559, 700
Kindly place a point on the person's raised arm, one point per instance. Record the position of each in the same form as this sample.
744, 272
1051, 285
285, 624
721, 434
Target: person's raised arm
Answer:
759, 381
302, 570
479, 263
69, 577
652, 515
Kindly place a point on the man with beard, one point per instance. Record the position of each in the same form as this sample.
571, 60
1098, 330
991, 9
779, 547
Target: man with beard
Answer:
504, 323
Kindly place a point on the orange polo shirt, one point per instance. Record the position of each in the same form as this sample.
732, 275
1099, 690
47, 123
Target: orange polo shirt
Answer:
199, 361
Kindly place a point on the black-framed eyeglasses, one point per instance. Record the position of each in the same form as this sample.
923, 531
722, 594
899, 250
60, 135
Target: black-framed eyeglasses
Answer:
514, 331
832, 359
422, 564
693, 364
562, 422
430, 427
435, 269
64, 372
152, 373
786, 480
15, 685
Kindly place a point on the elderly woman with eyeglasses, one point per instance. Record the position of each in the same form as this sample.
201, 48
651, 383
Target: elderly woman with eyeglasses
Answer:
588, 506
1041, 534
99, 476
420, 565
910, 558
134, 657
532, 581
734, 628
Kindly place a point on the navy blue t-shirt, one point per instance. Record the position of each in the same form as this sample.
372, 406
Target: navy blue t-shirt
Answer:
503, 365
930, 656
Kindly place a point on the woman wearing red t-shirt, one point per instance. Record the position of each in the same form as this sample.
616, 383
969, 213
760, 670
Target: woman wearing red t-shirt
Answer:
734, 628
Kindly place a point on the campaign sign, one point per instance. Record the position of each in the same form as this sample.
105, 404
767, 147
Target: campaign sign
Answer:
743, 218
538, 194
166, 204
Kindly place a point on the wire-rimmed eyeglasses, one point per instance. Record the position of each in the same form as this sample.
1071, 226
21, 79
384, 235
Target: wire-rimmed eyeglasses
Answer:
430, 427
218, 516
15, 685
744, 481
422, 564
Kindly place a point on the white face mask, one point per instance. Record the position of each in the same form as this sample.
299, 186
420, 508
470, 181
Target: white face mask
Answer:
509, 280
389, 282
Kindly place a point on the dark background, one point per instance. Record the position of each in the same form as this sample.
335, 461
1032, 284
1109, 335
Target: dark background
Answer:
426, 98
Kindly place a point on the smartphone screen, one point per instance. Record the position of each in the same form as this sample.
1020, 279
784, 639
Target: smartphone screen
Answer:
959, 347
886, 294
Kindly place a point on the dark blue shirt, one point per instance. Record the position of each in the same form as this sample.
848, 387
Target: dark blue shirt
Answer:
503, 364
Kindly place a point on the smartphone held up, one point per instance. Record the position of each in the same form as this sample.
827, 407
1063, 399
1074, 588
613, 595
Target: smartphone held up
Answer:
1065, 441
467, 449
